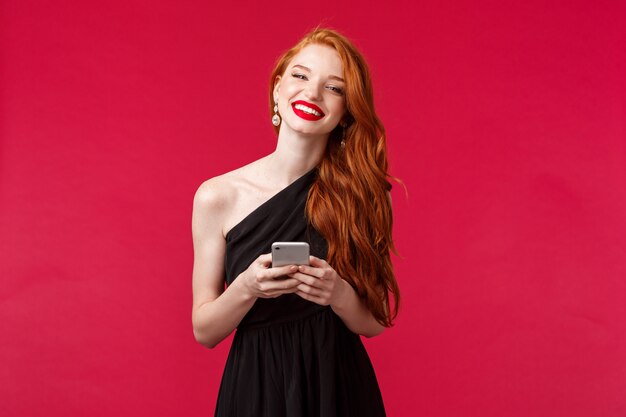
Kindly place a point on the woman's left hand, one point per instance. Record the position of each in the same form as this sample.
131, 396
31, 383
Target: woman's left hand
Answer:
319, 282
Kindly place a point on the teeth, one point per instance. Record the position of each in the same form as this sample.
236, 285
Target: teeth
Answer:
307, 110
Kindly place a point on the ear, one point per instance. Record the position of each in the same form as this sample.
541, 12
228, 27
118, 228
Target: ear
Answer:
276, 86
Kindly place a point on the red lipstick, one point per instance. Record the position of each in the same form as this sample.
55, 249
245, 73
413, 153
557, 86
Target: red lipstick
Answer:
305, 115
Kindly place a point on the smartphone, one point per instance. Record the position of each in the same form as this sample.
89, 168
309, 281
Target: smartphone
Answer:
290, 253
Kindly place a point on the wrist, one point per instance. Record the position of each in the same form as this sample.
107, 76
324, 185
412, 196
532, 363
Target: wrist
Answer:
241, 287
343, 293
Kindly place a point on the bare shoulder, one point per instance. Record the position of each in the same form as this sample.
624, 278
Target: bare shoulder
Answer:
219, 197
214, 193
222, 189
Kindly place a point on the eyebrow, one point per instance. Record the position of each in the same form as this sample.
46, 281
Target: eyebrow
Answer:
334, 77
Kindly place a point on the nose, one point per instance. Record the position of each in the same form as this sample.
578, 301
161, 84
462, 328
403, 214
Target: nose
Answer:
313, 91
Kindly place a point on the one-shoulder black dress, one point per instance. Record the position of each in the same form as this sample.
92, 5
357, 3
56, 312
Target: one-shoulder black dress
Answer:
291, 357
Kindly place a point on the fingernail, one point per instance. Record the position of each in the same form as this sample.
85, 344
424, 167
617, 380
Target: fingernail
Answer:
293, 268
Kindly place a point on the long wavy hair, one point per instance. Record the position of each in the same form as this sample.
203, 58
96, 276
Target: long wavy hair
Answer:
349, 203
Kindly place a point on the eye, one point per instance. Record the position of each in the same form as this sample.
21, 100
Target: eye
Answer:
337, 90
300, 76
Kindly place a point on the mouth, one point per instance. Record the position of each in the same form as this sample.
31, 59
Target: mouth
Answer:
307, 111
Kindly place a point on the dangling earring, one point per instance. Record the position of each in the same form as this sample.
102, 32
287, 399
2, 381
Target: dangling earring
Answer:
343, 134
275, 117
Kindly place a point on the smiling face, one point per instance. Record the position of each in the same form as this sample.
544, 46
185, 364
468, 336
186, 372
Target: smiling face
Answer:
310, 92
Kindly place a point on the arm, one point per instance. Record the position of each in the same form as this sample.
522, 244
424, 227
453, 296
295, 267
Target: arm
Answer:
354, 313
216, 313
321, 284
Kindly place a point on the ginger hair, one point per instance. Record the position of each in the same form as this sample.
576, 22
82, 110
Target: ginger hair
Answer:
349, 203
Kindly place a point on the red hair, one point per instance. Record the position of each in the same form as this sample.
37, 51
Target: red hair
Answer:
349, 203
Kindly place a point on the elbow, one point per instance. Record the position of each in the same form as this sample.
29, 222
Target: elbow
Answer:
374, 333
203, 340
376, 330
202, 334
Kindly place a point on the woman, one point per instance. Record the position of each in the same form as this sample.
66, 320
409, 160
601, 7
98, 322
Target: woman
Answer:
297, 350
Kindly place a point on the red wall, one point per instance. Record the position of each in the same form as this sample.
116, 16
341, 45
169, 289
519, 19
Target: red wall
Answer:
506, 123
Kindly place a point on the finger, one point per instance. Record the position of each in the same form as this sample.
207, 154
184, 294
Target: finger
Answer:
265, 259
317, 262
312, 291
275, 294
307, 279
309, 297
281, 287
270, 274
273, 273
283, 270
309, 270
283, 292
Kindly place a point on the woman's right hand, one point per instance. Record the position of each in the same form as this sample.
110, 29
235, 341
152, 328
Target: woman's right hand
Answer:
261, 280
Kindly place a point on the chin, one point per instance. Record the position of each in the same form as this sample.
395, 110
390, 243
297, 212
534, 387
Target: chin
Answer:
308, 130
314, 133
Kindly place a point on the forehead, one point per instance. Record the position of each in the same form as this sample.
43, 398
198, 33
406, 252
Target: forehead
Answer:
321, 58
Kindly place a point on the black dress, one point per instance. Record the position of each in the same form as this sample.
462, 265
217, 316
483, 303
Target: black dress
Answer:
291, 357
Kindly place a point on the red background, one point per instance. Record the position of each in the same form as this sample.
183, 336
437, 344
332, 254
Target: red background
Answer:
506, 122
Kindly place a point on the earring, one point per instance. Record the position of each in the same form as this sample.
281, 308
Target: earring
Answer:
276, 117
343, 134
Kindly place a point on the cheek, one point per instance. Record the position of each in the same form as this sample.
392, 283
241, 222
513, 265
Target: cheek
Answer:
286, 93
339, 109
288, 88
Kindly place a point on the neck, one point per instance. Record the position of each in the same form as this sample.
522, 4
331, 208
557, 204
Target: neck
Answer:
295, 155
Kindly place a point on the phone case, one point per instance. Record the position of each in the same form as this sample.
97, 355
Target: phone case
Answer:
290, 253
